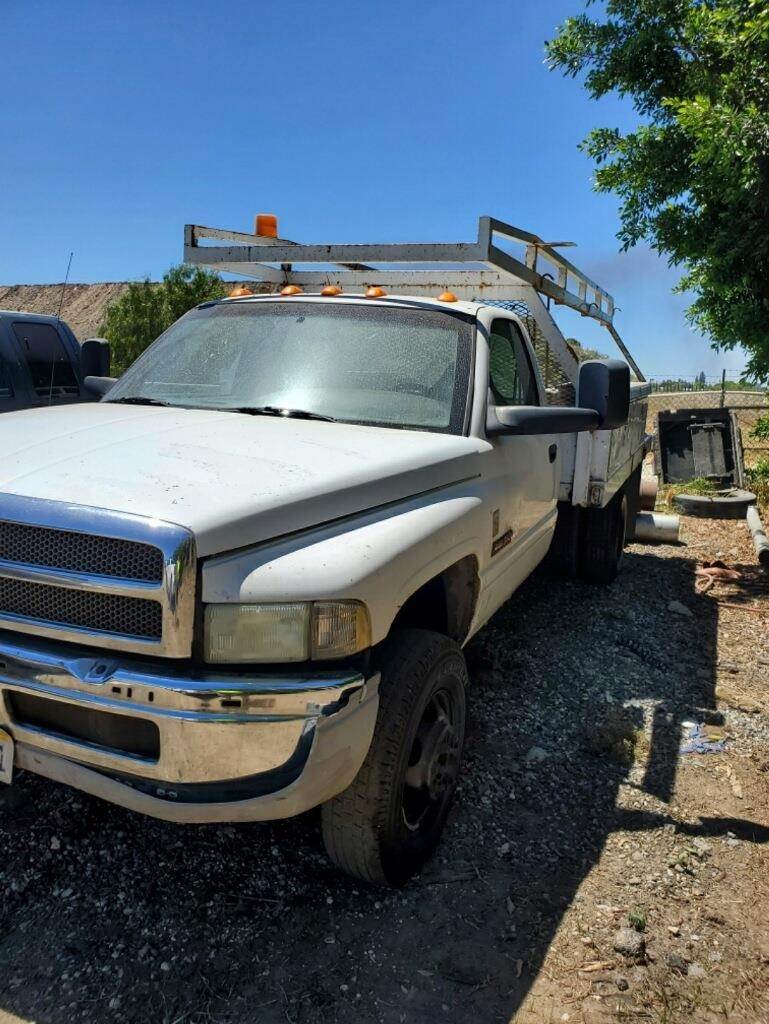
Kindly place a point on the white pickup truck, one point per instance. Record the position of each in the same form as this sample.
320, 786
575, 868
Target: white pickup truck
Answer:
238, 586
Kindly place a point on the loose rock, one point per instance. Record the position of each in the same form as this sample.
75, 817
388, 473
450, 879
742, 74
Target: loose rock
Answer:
680, 609
536, 755
676, 963
629, 943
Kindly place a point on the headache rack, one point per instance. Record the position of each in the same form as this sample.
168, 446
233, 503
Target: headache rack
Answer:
476, 271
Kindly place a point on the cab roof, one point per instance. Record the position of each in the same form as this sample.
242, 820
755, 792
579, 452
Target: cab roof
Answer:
413, 301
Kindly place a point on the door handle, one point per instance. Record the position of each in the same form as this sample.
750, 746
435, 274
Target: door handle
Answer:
552, 451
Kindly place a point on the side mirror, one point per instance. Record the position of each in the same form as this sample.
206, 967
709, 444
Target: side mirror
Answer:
99, 386
603, 403
538, 419
95, 357
604, 385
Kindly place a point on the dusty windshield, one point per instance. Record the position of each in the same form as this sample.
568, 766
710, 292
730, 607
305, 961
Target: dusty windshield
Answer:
389, 365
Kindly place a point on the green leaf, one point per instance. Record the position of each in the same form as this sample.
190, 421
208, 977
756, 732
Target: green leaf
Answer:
693, 177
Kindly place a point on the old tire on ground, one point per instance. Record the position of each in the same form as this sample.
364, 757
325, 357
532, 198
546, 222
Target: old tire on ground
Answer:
603, 541
716, 506
385, 825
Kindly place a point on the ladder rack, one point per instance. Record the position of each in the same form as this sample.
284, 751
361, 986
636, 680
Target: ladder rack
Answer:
472, 270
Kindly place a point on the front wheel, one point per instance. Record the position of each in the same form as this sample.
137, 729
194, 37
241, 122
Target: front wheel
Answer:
385, 825
604, 540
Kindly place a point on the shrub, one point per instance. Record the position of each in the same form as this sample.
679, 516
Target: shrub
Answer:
761, 429
759, 474
148, 308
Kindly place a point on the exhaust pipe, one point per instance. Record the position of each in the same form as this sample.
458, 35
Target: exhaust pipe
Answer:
657, 528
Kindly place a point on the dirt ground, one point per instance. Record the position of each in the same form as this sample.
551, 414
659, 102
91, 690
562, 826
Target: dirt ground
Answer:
82, 305
580, 827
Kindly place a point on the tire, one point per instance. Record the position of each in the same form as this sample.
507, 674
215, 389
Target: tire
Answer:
385, 825
718, 506
604, 540
562, 560
632, 489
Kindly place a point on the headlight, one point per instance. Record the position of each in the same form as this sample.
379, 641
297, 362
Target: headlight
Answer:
297, 631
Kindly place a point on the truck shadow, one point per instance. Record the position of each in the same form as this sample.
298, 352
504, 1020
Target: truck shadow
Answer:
108, 916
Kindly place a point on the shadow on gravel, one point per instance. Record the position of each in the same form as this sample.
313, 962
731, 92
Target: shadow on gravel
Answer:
107, 916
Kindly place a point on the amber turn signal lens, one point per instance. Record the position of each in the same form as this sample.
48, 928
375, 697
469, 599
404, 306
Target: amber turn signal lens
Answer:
375, 292
291, 289
266, 225
331, 289
447, 297
240, 291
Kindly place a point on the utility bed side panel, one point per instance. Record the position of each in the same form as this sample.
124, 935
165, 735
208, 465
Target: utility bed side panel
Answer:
595, 466
617, 453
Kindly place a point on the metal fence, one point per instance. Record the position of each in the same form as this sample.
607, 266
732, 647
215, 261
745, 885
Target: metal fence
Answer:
667, 384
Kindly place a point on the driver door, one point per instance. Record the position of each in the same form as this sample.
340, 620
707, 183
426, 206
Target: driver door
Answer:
526, 468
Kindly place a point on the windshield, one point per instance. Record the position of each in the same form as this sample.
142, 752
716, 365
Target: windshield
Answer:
390, 365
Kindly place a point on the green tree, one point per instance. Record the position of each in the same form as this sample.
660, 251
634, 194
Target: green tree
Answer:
693, 178
582, 353
148, 308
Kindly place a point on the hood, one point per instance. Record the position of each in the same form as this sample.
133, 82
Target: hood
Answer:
233, 479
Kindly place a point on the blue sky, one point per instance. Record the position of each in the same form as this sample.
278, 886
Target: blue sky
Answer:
401, 121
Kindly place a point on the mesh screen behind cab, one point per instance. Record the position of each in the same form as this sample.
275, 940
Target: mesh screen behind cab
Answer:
559, 389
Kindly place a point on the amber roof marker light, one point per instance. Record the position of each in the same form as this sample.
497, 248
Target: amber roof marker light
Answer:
240, 292
331, 289
266, 225
447, 297
291, 289
375, 292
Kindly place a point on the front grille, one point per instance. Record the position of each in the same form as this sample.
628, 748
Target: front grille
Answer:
80, 552
130, 580
135, 736
103, 613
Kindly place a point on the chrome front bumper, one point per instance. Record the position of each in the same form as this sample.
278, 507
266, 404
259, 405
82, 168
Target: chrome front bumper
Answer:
222, 747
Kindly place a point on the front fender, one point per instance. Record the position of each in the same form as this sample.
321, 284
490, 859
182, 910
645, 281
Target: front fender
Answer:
380, 558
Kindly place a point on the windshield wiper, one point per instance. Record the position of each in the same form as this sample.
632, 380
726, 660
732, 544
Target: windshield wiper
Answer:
276, 410
139, 400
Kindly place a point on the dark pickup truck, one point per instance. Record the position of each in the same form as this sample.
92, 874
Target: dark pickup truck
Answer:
42, 362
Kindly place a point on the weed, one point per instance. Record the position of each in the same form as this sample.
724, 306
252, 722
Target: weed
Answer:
637, 919
757, 479
698, 485
759, 473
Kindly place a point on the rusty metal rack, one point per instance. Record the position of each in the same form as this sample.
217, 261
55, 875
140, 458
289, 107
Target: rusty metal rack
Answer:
472, 270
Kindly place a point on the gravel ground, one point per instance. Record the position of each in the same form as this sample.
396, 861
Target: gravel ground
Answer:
590, 872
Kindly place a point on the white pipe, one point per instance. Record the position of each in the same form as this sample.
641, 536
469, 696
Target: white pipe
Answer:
757, 532
657, 528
